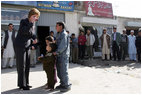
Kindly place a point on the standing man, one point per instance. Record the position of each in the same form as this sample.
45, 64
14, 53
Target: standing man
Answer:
81, 43
70, 58
52, 35
116, 39
124, 45
131, 46
63, 53
74, 44
22, 48
105, 43
89, 43
8, 47
138, 45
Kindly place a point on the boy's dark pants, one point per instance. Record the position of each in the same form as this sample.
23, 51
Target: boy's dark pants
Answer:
50, 70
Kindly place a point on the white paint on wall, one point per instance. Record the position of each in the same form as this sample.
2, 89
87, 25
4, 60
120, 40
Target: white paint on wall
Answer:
99, 20
71, 21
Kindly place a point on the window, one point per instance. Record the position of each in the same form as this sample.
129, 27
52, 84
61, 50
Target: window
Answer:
9, 15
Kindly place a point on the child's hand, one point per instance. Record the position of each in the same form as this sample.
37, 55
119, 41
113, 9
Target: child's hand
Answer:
39, 57
54, 53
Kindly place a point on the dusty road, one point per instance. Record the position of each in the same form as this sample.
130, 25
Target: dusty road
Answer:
96, 77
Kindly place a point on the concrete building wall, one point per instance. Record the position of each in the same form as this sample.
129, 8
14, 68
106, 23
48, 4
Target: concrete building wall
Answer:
71, 21
50, 19
122, 23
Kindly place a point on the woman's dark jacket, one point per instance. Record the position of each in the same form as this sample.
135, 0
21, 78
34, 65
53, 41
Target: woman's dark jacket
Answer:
25, 34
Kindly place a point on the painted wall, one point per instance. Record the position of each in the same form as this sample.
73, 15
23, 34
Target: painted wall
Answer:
71, 21
123, 20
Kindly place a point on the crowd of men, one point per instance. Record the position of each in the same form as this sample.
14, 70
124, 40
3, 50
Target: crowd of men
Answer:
121, 45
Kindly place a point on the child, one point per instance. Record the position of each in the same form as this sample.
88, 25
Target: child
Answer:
49, 64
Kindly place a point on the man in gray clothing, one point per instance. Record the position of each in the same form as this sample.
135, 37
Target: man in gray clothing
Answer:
124, 45
63, 53
74, 42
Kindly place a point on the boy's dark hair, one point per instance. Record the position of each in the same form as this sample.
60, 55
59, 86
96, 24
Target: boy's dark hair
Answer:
53, 47
51, 32
81, 31
10, 24
89, 29
49, 38
61, 24
73, 34
67, 31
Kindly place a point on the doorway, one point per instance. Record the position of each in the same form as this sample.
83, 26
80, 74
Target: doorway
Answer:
42, 33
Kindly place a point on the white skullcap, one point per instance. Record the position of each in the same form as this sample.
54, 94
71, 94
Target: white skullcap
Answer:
124, 29
132, 31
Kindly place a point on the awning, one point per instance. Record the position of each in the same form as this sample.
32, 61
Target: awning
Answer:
14, 22
133, 24
93, 20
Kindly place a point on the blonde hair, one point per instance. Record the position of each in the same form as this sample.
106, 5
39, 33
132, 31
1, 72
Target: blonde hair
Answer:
33, 11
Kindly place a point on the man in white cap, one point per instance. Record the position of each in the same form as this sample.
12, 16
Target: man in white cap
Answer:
124, 45
131, 46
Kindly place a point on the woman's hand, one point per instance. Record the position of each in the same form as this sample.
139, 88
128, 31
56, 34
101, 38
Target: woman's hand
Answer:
33, 47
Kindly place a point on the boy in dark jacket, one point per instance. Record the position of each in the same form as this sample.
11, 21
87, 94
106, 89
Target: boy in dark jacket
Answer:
49, 65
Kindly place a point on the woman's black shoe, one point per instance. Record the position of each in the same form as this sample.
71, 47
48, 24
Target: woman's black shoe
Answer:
20, 87
24, 88
29, 86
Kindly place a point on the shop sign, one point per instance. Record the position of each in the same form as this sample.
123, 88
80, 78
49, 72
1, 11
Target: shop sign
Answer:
98, 8
56, 5
28, 3
13, 14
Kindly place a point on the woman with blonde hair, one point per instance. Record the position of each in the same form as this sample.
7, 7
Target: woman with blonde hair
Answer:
22, 48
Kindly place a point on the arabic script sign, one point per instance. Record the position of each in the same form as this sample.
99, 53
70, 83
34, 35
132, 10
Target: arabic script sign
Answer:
98, 8
56, 5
